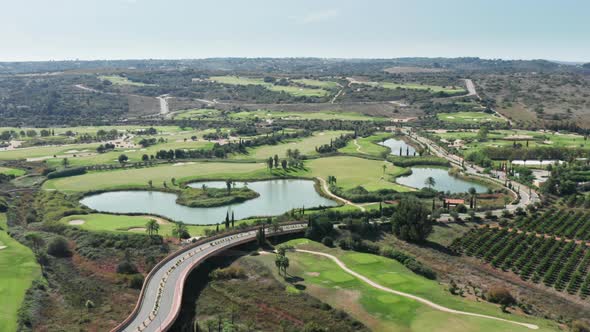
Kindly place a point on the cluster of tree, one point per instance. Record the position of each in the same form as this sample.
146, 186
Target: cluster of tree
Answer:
217, 135
66, 172
567, 179
145, 142
335, 144
52, 100
147, 131
105, 147
221, 151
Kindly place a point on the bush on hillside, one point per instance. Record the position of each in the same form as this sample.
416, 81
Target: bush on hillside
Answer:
58, 247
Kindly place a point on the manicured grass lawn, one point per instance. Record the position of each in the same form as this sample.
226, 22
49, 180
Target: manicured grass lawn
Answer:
368, 145
351, 172
127, 178
415, 86
500, 138
134, 154
11, 171
322, 115
123, 224
317, 83
468, 117
305, 145
293, 90
390, 312
18, 269
198, 113
120, 80
46, 151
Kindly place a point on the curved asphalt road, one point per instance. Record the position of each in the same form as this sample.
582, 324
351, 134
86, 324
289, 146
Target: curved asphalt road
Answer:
161, 296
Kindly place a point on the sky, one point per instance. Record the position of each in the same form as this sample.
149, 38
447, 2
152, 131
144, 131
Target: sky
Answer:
181, 29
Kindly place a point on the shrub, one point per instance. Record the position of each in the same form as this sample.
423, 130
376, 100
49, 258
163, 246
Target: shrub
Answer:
58, 247
581, 326
328, 241
500, 295
126, 267
67, 172
136, 281
231, 272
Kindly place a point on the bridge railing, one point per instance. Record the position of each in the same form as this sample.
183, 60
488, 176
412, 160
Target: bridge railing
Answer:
175, 254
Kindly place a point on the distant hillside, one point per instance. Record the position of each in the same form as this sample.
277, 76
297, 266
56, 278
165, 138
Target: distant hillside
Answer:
287, 65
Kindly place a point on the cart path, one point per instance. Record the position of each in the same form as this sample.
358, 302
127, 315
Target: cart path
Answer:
410, 296
338, 198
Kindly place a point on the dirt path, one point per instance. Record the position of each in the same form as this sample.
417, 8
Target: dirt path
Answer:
338, 198
410, 296
164, 110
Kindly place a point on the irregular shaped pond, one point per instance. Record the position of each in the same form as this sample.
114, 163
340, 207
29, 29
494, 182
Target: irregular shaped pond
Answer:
444, 181
398, 147
276, 197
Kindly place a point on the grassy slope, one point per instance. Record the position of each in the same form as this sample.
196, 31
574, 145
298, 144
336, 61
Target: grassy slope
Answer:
43, 151
121, 179
197, 113
120, 80
389, 312
11, 171
468, 117
122, 224
411, 86
306, 146
18, 269
368, 145
496, 138
322, 115
293, 90
317, 83
351, 172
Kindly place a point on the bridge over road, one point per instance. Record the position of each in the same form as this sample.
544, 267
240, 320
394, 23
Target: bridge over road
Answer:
160, 298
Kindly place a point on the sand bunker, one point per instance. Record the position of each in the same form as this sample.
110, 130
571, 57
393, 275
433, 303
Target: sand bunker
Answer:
76, 222
182, 164
137, 229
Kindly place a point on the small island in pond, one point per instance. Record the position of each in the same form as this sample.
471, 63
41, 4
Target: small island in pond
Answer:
211, 197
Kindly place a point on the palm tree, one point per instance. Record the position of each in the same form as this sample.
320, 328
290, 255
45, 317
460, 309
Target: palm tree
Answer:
430, 182
152, 227
384, 167
179, 230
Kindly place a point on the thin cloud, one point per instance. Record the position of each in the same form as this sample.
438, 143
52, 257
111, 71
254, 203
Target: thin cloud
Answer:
319, 16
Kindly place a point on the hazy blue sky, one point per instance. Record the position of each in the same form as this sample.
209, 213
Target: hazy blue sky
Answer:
119, 29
